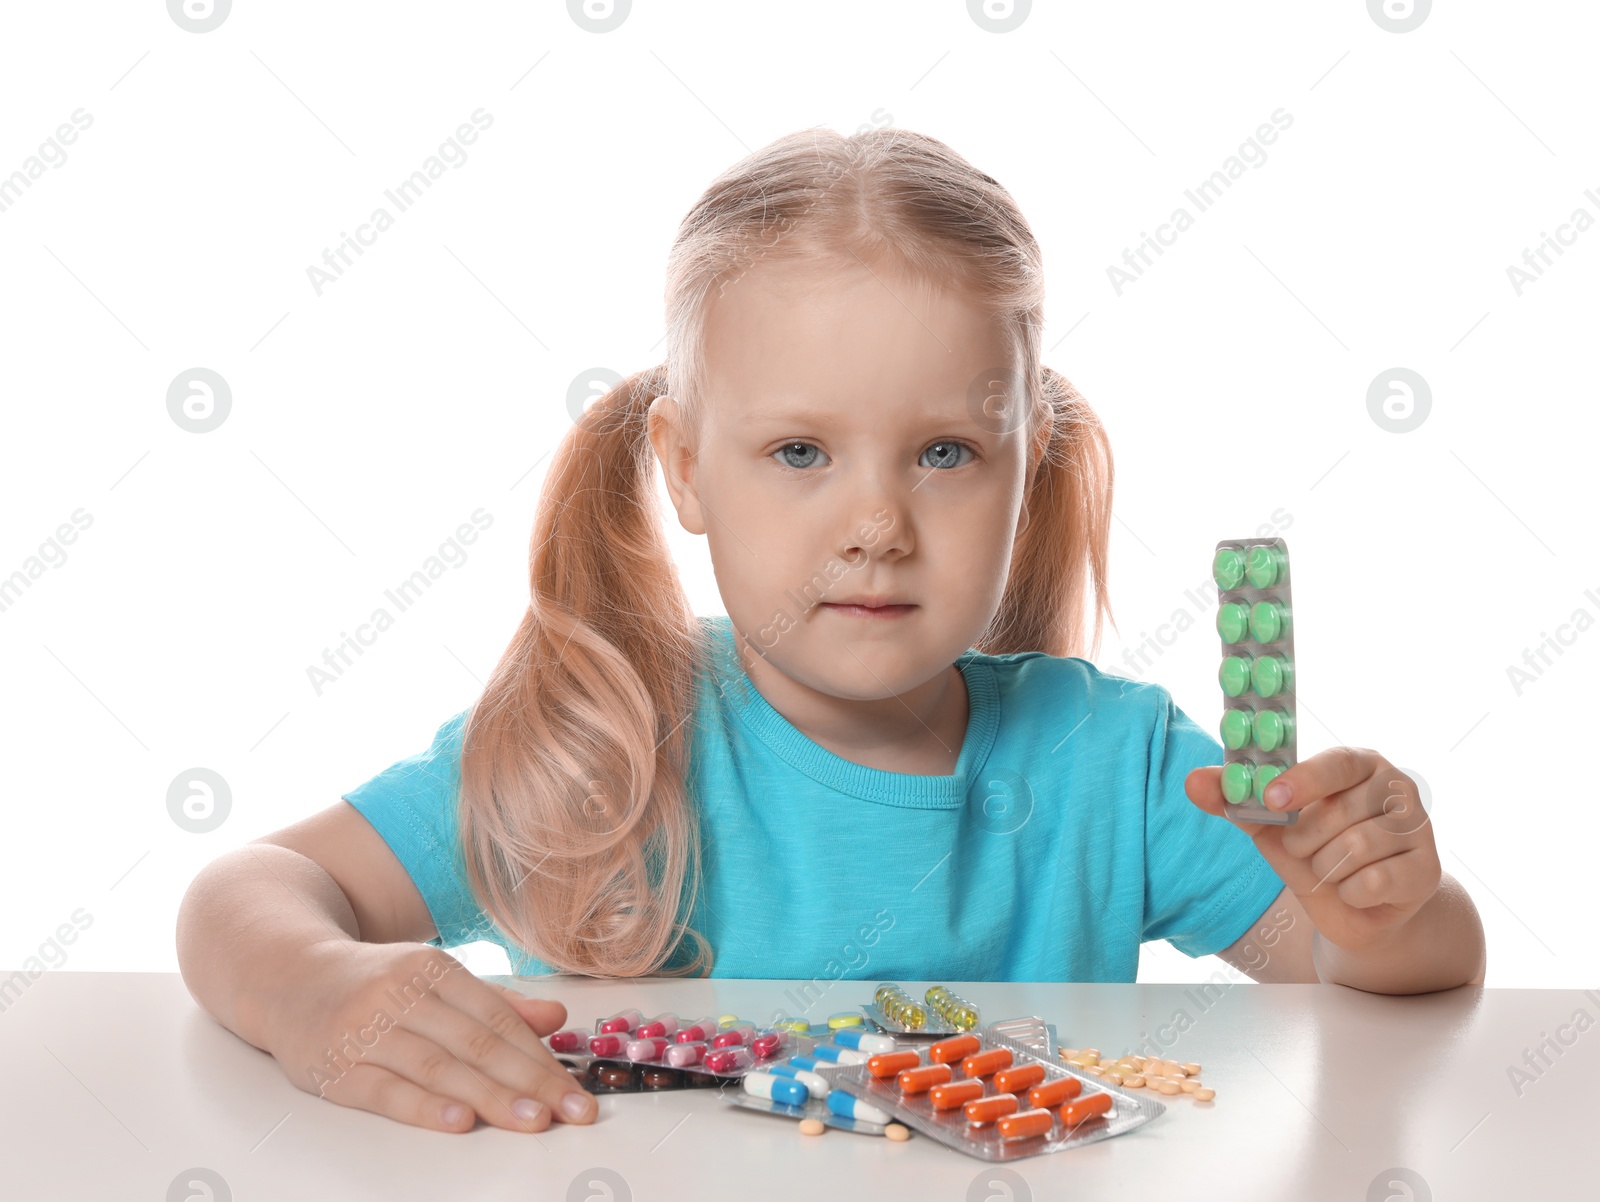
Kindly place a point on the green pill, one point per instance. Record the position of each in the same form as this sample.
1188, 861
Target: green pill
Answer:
1233, 621
1227, 569
1236, 783
1269, 674
1234, 675
1272, 729
1267, 620
1262, 566
1265, 775
1236, 729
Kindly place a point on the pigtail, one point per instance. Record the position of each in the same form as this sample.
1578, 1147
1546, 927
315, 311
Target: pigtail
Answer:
577, 833
1061, 559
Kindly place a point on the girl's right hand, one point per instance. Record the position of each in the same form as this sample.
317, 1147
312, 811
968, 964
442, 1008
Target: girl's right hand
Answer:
405, 1030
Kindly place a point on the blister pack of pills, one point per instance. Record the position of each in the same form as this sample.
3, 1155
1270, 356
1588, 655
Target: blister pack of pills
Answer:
808, 1093
993, 1098
1258, 674
627, 1047
941, 1012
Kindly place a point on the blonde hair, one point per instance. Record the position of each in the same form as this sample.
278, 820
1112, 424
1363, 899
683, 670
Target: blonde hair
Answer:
578, 837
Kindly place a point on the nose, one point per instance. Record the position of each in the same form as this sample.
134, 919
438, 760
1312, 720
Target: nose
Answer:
880, 524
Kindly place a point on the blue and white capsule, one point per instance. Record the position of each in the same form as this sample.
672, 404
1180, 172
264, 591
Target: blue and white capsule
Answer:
825, 1051
806, 1062
818, 1085
863, 1041
780, 1089
842, 1103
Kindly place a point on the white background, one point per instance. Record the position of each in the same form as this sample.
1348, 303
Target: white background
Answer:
367, 423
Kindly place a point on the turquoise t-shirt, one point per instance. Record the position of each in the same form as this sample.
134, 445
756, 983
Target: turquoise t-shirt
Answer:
1062, 840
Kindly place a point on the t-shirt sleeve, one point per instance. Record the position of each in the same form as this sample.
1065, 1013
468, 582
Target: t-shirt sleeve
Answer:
1205, 882
412, 805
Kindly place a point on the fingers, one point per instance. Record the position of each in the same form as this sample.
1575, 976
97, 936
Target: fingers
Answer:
1204, 787
1330, 771
1366, 864
439, 1071
498, 1051
542, 1015
1388, 797
1404, 881
374, 1088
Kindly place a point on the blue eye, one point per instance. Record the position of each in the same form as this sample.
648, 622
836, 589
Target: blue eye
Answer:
946, 454
951, 448
789, 446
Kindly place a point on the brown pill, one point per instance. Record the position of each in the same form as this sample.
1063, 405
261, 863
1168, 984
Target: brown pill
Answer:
811, 1127
954, 1093
1053, 1093
920, 1080
1167, 1087
1015, 1080
985, 1063
947, 1051
987, 1110
1204, 1094
1135, 1081
656, 1077
897, 1133
1191, 1070
887, 1064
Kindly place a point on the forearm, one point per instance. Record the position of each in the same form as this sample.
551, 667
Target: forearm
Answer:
1439, 947
244, 919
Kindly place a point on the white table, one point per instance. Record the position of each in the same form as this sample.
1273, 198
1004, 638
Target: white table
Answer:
114, 1083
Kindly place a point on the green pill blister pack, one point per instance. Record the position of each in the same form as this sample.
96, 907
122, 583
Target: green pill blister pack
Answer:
1256, 624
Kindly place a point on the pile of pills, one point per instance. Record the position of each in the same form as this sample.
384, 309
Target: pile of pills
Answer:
898, 1006
950, 1012
956, 1011
1257, 673
725, 1045
1166, 1077
992, 1098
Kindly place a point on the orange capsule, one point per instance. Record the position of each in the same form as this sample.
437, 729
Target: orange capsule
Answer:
920, 1080
985, 1063
1079, 1109
887, 1064
954, 1093
986, 1110
1053, 1093
1015, 1080
949, 1050
1025, 1123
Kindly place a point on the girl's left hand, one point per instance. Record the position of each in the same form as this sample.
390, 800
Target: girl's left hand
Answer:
1360, 856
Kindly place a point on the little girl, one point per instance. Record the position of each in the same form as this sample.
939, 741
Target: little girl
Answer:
885, 762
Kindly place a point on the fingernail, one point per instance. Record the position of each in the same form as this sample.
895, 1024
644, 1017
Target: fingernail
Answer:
526, 1109
574, 1106
1277, 795
453, 1113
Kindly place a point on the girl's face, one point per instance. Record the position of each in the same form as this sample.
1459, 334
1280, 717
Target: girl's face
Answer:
845, 455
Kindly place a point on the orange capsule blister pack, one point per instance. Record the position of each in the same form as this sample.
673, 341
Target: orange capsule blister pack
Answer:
959, 1096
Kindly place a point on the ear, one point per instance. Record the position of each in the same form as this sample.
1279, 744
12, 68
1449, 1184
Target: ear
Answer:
666, 429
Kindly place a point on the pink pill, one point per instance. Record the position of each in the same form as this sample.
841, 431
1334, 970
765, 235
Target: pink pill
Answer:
608, 1045
661, 1024
729, 1060
569, 1041
680, 1055
647, 1049
621, 1023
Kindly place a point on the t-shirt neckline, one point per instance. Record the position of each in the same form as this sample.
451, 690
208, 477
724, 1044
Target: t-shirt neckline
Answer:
906, 789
